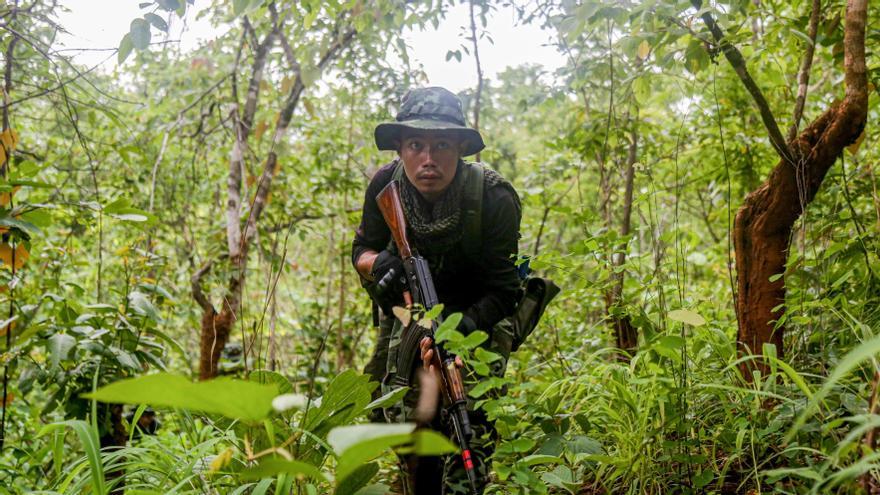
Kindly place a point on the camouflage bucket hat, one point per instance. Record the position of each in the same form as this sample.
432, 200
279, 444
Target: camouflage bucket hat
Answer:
429, 109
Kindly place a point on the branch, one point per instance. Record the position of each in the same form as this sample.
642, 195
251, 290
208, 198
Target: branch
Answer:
804, 74
733, 55
236, 162
196, 284
262, 194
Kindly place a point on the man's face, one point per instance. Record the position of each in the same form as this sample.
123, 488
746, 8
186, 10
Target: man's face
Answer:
430, 159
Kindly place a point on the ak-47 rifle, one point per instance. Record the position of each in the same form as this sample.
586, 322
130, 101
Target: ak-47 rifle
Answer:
422, 294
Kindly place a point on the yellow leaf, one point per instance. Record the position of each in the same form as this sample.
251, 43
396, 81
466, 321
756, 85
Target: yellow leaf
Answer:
854, 148
261, 129
644, 49
222, 460
6, 255
7, 328
9, 138
122, 251
426, 323
402, 314
309, 107
9, 398
7, 196
286, 84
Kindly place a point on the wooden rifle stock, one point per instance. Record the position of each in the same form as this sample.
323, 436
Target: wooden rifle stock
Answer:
392, 211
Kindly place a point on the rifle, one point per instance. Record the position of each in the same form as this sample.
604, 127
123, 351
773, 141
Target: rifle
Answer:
422, 293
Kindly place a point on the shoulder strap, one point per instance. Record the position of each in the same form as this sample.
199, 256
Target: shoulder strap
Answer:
472, 206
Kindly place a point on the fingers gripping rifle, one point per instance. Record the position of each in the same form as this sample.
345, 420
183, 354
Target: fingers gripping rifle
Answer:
422, 293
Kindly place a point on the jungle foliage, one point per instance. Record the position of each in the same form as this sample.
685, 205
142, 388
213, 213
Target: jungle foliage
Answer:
698, 177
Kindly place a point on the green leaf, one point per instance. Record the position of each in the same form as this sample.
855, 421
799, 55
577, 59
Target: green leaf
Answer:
237, 399
343, 401
537, 459
774, 278
486, 356
169, 5
474, 339
21, 225
357, 480
239, 6
157, 21
388, 399
445, 330
60, 345
344, 437
125, 47
359, 444
687, 316
803, 36
140, 34
272, 467
88, 437
518, 445
141, 305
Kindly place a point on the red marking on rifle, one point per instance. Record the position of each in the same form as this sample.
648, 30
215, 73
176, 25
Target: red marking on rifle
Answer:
468, 463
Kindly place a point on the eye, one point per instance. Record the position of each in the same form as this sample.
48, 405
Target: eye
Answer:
442, 145
415, 145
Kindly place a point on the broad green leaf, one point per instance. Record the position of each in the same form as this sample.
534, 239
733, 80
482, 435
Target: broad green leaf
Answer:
157, 21
388, 399
140, 34
22, 225
359, 444
687, 316
447, 327
125, 47
474, 339
285, 402
344, 437
357, 479
142, 305
536, 459
169, 5
60, 345
237, 399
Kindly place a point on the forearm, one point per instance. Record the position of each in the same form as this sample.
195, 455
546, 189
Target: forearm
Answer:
364, 264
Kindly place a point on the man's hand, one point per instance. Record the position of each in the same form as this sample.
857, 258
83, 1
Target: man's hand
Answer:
428, 356
389, 281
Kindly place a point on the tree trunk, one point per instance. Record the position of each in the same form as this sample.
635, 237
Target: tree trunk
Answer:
625, 334
216, 327
764, 222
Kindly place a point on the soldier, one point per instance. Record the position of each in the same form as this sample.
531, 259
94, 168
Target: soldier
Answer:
464, 219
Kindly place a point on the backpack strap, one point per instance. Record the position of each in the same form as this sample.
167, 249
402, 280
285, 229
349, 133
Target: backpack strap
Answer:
472, 206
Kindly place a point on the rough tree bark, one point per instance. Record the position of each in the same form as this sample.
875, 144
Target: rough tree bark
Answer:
763, 224
216, 326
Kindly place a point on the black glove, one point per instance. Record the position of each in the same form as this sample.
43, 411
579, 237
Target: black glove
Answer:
389, 281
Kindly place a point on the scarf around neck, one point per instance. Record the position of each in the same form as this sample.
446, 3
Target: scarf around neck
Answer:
436, 227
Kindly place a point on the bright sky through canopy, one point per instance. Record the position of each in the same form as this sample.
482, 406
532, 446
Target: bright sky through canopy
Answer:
98, 25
